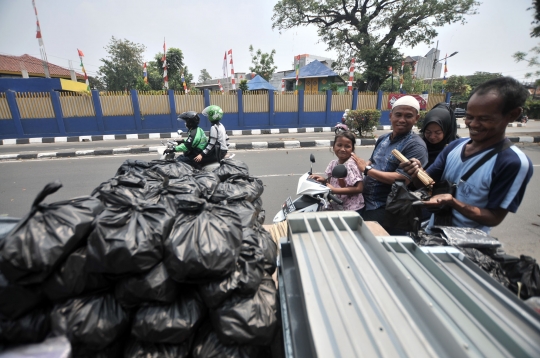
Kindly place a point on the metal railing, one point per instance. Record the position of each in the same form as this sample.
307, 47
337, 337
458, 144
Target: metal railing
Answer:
76, 104
34, 105
5, 112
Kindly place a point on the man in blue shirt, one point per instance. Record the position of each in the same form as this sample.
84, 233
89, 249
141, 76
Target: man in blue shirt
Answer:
498, 186
382, 169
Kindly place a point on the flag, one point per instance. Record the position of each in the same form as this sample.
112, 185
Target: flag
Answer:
233, 82
282, 85
81, 55
44, 60
401, 78
297, 60
445, 70
184, 83
220, 86
164, 59
351, 75
225, 69
145, 73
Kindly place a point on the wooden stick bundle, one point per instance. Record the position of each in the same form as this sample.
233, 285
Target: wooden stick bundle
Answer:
422, 175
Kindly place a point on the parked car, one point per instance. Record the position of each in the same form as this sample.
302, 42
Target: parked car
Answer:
459, 112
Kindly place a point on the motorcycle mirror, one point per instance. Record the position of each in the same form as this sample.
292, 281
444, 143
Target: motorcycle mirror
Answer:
339, 171
179, 131
312, 158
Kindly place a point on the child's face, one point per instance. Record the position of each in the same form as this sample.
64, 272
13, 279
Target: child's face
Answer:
343, 148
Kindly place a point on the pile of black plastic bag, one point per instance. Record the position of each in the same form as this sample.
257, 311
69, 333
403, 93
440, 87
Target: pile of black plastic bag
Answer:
159, 261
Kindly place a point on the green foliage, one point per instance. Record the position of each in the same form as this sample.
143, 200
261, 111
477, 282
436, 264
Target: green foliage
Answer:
458, 86
372, 30
480, 77
420, 121
334, 87
96, 84
362, 122
123, 65
263, 63
204, 76
532, 108
410, 84
175, 68
243, 85
536, 29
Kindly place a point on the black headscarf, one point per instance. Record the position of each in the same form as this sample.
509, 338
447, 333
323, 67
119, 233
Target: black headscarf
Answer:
441, 115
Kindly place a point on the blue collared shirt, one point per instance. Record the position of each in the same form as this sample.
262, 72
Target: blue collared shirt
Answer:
410, 145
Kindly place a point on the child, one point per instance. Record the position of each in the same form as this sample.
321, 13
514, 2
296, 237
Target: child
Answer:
195, 142
349, 189
217, 146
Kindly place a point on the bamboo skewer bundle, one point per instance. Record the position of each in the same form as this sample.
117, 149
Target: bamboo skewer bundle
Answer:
422, 175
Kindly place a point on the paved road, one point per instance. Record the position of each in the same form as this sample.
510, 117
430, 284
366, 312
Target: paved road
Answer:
532, 129
20, 181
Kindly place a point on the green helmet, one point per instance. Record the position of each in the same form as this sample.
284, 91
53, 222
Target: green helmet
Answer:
213, 113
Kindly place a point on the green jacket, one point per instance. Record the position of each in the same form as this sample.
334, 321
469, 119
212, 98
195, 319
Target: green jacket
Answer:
196, 141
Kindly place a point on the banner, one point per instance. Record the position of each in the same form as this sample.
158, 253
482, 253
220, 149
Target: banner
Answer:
422, 99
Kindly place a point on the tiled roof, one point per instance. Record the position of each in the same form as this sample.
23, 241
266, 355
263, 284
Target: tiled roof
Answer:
12, 64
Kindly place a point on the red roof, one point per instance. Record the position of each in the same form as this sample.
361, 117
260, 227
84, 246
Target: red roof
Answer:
12, 65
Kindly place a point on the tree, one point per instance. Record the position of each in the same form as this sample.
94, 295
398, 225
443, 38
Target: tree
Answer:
175, 69
123, 65
457, 85
410, 84
96, 84
204, 76
263, 63
243, 85
532, 57
370, 30
480, 77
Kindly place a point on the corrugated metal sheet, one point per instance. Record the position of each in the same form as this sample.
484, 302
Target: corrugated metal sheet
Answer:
349, 294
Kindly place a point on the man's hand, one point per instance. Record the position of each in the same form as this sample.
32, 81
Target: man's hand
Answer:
412, 167
198, 158
360, 163
439, 201
179, 141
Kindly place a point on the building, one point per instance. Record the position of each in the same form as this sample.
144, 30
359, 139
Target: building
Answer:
27, 66
226, 83
313, 78
424, 64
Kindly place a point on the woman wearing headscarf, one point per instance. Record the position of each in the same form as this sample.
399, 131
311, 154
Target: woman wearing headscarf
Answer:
438, 129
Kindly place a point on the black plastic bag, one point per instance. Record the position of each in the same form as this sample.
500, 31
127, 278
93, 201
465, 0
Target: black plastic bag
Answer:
422, 238
486, 263
131, 184
231, 167
229, 191
208, 345
32, 327
467, 237
269, 249
172, 193
131, 166
128, 239
248, 320
526, 271
246, 211
54, 347
207, 182
258, 204
46, 236
90, 322
245, 280
154, 286
72, 278
173, 323
254, 188
138, 349
261, 217
171, 169
400, 213
16, 300
204, 246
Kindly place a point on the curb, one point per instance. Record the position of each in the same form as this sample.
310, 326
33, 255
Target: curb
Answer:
106, 137
291, 144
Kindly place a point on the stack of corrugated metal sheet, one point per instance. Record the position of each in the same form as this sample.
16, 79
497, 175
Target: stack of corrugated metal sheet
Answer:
346, 293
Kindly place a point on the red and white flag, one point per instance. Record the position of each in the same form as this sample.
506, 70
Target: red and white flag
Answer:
220, 86
233, 82
81, 55
225, 68
351, 75
282, 85
164, 59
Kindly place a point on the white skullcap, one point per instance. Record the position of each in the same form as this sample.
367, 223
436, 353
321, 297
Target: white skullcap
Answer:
407, 101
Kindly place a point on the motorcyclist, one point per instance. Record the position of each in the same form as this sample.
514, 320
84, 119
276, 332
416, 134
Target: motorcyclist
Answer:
217, 146
196, 141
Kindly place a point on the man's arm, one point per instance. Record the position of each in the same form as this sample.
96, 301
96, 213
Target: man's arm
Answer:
379, 175
486, 217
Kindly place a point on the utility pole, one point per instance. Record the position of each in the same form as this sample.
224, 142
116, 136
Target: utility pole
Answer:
433, 69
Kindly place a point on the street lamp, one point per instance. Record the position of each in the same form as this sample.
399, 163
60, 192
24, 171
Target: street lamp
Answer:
433, 70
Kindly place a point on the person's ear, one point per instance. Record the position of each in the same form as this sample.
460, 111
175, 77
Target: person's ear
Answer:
513, 114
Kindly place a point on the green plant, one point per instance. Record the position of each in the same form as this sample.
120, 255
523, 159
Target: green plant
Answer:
243, 85
362, 122
421, 119
532, 108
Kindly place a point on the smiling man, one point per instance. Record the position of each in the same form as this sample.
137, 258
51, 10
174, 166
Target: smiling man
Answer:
382, 169
498, 185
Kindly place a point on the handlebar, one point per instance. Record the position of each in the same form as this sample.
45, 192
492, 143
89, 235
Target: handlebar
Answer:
335, 199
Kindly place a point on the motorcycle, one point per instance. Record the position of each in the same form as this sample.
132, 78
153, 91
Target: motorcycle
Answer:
341, 127
314, 195
171, 143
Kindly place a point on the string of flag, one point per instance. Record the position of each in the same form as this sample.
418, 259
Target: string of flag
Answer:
164, 59
44, 60
233, 82
351, 75
225, 67
81, 55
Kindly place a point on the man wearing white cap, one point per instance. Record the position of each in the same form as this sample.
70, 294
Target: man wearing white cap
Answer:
382, 169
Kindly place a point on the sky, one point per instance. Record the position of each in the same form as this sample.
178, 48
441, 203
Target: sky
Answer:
205, 29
